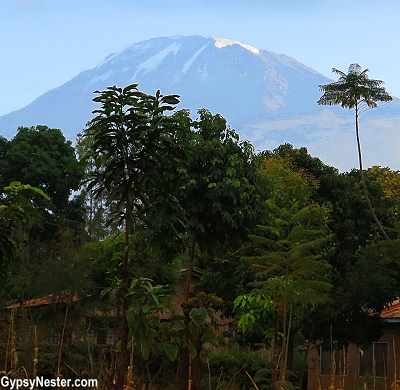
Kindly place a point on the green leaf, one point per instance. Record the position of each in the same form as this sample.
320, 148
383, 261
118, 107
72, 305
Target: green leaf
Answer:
105, 291
154, 321
211, 312
193, 301
198, 316
171, 351
208, 336
192, 349
130, 317
145, 349
170, 99
176, 317
40, 192
146, 309
193, 329
134, 281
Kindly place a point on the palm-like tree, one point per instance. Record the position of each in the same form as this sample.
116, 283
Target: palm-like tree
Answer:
355, 90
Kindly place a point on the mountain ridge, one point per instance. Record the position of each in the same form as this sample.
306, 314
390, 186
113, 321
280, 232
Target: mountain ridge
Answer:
268, 98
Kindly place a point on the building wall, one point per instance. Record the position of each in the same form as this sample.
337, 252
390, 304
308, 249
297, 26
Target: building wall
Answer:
386, 365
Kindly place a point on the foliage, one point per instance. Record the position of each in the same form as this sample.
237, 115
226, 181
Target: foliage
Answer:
353, 233
292, 247
354, 89
388, 182
147, 303
17, 209
283, 183
256, 312
220, 195
191, 192
291, 275
290, 270
228, 369
39, 156
98, 214
137, 156
135, 152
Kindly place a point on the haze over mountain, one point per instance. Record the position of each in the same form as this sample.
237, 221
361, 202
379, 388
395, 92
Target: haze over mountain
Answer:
268, 98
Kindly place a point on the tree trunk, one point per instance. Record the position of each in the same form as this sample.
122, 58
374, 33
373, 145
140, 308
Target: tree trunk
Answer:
191, 367
290, 350
189, 364
192, 260
371, 209
276, 357
124, 333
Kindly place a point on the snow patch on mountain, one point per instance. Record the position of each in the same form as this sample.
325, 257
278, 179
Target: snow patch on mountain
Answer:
107, 59
222, 42
189, 62
274, 103
153, 62
274, 80
101, 77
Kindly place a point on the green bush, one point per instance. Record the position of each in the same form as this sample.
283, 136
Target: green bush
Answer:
228, 370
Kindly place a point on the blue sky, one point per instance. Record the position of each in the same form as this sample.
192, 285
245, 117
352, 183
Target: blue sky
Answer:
47, 42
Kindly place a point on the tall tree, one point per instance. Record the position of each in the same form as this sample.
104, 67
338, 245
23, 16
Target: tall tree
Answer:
39, 155
220, 199
355, 90
287, 257
137, 156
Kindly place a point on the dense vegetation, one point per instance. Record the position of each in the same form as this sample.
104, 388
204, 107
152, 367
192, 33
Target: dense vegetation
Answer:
111, 234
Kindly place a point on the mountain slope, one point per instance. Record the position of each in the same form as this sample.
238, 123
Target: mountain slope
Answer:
268, 98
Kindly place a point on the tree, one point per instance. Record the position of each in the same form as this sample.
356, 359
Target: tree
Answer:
220, 198
285, 184
137, 157
39, 155
288, 260
290, 267
363, 281
98, 214
355, 90
16, 209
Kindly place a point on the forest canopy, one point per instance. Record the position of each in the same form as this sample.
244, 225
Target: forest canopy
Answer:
282, 246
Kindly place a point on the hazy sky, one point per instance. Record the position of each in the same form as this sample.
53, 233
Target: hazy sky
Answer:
44, 43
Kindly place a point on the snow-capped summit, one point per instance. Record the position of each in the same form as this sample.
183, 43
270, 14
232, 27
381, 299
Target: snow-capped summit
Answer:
222, 42
268, 98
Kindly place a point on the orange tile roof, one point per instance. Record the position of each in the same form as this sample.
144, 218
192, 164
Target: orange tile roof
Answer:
393, 311
43, 301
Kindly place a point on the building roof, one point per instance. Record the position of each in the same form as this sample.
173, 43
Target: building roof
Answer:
393, 311
43, 301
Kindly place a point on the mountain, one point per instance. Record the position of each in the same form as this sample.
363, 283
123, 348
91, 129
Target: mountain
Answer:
268, 98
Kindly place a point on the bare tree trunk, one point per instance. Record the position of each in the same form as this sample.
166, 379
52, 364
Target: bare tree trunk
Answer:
192, 260
276, 357
187, 361
124, 333
371, 209
191, 367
